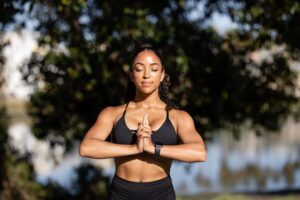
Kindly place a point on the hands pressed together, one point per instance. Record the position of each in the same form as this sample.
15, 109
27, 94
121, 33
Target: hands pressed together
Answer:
143, 133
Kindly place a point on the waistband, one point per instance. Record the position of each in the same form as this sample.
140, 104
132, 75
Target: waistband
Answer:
121, 182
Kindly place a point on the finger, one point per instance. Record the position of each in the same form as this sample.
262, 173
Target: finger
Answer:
139, 139
140, 126
147, 129
139, 130
147, 126
146, 119
140, 135
145, 135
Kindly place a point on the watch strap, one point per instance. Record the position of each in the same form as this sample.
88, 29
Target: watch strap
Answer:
157, 149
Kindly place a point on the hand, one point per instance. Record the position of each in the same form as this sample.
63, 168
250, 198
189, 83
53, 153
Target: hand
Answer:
147, 143
143, 132
140, 139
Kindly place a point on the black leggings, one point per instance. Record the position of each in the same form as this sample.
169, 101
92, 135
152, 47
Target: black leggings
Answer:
122, 189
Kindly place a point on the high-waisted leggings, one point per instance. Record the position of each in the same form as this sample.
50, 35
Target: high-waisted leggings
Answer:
122, 189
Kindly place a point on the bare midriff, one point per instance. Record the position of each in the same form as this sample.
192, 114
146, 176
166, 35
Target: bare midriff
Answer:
143, 167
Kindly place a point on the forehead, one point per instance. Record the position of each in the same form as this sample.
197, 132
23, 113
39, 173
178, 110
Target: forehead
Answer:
147, 56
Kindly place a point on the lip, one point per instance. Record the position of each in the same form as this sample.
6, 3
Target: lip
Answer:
146, 83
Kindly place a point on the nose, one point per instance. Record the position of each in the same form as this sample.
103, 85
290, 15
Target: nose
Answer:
146, 73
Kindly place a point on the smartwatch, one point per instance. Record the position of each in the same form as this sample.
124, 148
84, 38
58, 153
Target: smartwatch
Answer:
157, 149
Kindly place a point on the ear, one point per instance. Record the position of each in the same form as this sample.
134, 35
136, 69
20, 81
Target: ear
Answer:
162, 75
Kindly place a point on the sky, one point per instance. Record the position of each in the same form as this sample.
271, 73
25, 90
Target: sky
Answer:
21, 46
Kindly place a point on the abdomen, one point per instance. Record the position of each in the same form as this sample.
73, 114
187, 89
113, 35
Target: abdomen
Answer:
143, 167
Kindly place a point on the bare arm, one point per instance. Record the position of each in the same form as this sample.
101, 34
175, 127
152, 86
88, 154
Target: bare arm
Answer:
193, 148
94, 144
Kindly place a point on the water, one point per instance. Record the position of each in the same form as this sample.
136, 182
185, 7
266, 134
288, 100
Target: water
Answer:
266, 163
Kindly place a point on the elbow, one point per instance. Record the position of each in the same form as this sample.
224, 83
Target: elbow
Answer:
197, 157
82, 150
201, 156
202, 153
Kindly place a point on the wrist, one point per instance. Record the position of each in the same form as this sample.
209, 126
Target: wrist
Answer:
135, 149
150, 149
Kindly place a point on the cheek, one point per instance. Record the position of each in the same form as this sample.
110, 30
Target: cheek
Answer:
135, 75
157, 74
136, 78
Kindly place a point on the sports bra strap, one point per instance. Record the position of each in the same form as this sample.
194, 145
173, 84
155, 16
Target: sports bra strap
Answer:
125, 109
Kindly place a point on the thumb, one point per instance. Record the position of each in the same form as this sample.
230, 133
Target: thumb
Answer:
146, 119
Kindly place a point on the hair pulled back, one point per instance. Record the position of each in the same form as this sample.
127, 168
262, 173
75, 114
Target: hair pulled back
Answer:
164, 85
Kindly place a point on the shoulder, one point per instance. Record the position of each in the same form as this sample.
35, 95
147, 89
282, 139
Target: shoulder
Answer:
113, 109
181, 118
111, 112
180, 114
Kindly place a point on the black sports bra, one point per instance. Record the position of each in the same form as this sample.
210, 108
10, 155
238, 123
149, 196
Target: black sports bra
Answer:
166, 134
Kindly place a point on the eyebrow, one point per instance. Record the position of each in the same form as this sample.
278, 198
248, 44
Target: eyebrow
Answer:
144, 64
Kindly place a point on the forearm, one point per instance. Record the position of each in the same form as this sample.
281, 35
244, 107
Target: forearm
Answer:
189, 152
95, 148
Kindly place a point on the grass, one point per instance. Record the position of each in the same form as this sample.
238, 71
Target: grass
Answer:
240, 197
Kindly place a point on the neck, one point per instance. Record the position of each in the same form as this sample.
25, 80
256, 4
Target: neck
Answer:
147, 100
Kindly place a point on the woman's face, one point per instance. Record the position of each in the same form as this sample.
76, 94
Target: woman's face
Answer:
147, 72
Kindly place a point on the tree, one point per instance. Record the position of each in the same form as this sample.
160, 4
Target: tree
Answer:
269, 21
84, 59
17, 175
88, 56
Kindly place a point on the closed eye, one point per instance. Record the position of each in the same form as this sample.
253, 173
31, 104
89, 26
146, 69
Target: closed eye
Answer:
138, 70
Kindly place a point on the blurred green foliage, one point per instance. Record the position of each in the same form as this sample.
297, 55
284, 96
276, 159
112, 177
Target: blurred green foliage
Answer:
83, 60
17, 175
17, 179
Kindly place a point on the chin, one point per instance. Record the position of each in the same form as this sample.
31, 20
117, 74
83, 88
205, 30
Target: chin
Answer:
146, 90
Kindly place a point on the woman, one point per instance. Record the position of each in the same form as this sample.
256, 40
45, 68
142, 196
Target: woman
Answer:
146, 135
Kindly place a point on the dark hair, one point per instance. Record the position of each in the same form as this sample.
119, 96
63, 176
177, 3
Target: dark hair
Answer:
164, 85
